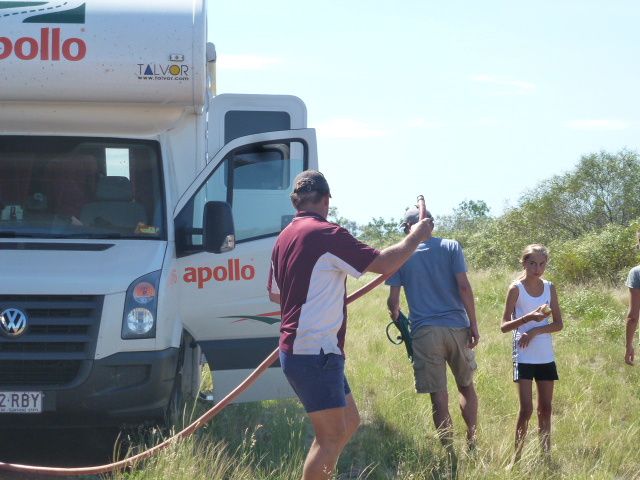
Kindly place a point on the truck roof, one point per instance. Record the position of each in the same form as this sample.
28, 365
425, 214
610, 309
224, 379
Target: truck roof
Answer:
106, 51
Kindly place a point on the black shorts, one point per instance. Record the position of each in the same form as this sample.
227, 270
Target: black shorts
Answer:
535, 371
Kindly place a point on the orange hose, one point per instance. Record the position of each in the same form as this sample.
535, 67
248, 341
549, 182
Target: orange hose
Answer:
199, 423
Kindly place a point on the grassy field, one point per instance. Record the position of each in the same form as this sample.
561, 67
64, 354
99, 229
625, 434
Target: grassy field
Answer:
595, 425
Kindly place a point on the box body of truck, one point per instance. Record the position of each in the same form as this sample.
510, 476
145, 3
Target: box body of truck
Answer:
111, 148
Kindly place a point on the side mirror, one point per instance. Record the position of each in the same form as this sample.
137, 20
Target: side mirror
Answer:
217, 228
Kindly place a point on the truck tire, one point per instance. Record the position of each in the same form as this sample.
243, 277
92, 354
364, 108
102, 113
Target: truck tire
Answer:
175, 408
191, 369
186, 386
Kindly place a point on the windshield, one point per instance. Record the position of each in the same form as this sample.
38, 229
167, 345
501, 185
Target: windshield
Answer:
66, 187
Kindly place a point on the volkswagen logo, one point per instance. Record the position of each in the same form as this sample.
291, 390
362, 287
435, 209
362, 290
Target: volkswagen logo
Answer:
13, 322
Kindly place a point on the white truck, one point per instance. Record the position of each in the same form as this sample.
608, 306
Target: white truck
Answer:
120, 171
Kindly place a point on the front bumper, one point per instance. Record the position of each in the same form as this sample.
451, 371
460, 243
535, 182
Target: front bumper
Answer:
125, 388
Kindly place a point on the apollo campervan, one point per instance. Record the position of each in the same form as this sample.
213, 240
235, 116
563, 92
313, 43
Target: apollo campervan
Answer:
120, 172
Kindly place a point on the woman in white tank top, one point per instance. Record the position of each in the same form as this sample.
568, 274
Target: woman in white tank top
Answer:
530, 301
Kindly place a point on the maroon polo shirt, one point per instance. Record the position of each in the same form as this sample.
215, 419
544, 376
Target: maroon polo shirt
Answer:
309, 265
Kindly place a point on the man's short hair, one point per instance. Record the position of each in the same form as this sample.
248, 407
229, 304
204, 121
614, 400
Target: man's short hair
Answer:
308, 188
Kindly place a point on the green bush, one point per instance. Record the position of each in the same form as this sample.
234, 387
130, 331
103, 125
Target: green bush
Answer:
499, 242
586, 216
604, 255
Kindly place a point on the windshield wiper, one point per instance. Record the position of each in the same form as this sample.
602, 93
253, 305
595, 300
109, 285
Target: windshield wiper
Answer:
84, 235
104, 236
14, 234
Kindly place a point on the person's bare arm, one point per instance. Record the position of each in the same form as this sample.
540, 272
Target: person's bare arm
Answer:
272, 285
509, 323
466, 294
632, 324
393, 302
274, 297
393, 257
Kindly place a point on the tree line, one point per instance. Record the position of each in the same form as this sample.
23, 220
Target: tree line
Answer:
588, 217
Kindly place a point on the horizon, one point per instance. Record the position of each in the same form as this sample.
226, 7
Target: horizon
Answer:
453, 101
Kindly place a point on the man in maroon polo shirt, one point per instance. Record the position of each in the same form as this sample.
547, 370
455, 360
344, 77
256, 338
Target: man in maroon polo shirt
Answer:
309, 265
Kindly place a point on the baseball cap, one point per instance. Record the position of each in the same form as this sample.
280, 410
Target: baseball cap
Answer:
411, 216
311, 181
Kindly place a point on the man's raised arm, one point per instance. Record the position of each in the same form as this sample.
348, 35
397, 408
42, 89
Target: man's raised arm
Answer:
393, 257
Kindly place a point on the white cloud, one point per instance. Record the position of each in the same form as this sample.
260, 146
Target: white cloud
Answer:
597, 124
246, 62
486, 122
347, 128
421, 122
508, 86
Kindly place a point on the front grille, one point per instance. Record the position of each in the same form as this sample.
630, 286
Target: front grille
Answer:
38, 372
41, 347
60, 337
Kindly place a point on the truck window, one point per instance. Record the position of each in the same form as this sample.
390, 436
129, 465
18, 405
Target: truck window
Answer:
238, 123
256, 182
78, 187
117, 162
258, 171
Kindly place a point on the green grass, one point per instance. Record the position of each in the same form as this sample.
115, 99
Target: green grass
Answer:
595, 424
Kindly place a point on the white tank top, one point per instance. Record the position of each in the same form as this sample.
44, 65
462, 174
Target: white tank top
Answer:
540, 349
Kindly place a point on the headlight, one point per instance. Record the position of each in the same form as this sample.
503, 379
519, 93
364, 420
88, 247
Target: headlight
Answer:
140, 321
140, 307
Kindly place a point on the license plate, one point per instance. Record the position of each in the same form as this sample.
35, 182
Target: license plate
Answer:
20, 402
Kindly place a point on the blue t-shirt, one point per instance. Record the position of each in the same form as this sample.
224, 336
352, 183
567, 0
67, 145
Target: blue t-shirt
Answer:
429, 281
633, 279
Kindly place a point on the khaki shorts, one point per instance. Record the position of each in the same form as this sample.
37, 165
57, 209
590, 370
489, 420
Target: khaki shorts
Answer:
432, 347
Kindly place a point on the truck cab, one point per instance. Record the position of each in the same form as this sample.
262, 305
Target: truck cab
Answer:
119, 172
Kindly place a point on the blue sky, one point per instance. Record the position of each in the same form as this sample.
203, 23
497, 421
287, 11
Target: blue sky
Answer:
458, 100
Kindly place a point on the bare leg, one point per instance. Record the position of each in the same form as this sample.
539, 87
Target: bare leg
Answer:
545, 396
442, 418
352, 418
526, 409
469, 410
333, 429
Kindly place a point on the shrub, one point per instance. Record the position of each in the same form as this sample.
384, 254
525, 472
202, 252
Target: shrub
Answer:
604, 255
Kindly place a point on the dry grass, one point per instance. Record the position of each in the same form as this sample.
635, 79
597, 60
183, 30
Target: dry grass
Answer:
596, 420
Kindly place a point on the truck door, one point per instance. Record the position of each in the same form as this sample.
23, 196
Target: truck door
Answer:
224, 301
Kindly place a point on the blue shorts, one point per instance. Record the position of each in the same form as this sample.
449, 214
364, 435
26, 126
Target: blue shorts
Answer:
318, 380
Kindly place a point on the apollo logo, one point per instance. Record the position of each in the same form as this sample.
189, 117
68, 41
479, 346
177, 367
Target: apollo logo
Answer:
50, 46
52, 11
231, 272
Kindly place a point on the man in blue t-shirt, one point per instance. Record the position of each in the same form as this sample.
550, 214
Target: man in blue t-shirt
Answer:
443, 326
